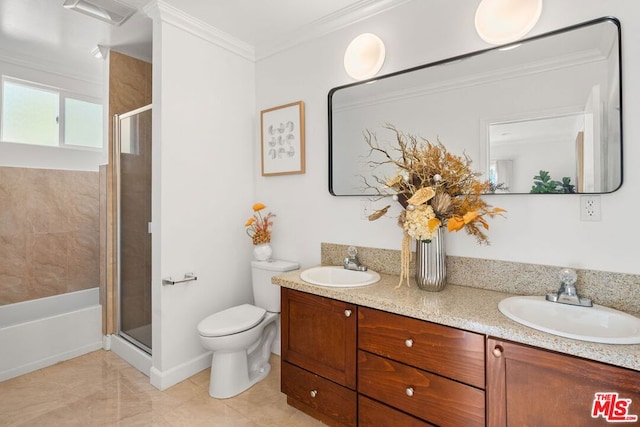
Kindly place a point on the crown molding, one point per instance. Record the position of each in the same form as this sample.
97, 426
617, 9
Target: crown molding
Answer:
335, 21
173, 16
34, 63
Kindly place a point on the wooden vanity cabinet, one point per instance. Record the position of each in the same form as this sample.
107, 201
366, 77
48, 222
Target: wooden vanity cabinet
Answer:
528, 386
433, 372
319, 356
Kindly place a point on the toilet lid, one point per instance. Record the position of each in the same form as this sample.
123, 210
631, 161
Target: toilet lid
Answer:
231, 321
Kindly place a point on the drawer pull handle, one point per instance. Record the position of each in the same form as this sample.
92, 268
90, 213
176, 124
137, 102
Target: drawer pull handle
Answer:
409, 391
408, 342
347, 313
497, 351
313, 393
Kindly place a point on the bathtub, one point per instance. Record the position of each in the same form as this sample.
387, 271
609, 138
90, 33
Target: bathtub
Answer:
39, 333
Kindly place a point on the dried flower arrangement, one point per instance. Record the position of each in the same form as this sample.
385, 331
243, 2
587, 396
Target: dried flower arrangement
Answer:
258, 226
435, 188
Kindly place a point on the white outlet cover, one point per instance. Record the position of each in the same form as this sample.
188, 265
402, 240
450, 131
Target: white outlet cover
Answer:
590, 208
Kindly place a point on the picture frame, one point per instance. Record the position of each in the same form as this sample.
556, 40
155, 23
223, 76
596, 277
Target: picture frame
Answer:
282, 139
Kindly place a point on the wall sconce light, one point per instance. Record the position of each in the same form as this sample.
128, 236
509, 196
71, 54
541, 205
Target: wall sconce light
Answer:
364, 56
504, 21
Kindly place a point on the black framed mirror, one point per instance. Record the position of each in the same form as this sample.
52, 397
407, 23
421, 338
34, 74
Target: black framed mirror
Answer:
548, 105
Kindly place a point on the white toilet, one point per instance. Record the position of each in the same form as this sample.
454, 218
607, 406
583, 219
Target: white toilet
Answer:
241, 336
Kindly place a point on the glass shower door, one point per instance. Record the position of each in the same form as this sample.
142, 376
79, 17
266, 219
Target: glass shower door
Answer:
133, 206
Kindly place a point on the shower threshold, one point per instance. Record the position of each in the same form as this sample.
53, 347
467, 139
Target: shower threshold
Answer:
140, 337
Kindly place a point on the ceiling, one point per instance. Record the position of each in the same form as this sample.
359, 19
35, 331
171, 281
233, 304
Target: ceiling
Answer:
42, 33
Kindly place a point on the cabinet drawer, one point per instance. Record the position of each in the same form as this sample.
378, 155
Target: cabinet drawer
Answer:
428, 396
374, 414
319, 395
444, 350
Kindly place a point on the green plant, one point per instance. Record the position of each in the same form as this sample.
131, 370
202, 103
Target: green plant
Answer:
543, 184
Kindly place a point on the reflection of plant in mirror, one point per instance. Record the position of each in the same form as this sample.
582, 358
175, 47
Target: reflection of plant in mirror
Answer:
543, 183
499, 187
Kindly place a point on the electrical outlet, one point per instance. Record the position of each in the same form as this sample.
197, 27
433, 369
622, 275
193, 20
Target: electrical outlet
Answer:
590, 208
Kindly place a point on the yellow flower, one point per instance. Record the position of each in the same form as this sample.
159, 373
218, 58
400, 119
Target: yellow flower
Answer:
434, 223
470, 216
455, 223
423, 195
258, 227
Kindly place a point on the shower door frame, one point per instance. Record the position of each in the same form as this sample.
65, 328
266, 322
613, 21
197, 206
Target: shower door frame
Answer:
118, 224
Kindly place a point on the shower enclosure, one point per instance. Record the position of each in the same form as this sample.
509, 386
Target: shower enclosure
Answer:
132, 167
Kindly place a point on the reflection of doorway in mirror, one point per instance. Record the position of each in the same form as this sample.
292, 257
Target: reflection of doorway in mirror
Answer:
593, 155
500, 175
520, 148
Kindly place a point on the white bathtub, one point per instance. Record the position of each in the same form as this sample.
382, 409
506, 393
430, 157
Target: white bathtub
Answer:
39, 333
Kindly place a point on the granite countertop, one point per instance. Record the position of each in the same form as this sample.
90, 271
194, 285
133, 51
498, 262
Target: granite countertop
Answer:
463, 307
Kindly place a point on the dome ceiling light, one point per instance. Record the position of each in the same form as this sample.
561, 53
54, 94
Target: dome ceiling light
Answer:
504, 21
364, 56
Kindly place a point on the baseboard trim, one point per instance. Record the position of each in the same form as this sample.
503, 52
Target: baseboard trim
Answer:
162, 380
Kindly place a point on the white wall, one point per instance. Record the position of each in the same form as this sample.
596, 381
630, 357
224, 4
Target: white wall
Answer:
204, 126
543, 229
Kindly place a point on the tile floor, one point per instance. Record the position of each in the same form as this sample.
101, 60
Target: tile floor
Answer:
100, 389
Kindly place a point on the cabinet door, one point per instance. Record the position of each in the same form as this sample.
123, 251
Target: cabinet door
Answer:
319, 335
527, 386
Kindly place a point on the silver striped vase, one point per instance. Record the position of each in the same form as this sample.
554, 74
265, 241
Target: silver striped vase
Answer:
431, 266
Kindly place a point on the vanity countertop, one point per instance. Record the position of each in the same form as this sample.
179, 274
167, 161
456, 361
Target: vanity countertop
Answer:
466, 308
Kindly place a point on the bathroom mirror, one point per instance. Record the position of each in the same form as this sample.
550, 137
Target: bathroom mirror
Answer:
551, 103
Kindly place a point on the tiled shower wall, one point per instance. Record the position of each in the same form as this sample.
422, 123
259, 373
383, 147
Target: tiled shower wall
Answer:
49, 232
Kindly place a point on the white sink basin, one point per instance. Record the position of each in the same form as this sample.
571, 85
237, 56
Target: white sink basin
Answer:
595, 324
339, 277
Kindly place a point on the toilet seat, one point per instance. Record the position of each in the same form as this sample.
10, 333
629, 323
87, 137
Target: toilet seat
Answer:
231, 321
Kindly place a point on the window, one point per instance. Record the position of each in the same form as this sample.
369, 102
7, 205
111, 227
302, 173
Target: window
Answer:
82, 123
40, 115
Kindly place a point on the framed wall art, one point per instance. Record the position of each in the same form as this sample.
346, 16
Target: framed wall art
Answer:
282, 139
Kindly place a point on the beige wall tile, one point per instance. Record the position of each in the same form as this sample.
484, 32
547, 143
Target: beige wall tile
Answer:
49, 232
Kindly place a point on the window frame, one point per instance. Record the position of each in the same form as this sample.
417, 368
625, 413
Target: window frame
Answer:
62, 96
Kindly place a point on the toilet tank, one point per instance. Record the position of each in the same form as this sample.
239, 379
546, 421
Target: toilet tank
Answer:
266, 294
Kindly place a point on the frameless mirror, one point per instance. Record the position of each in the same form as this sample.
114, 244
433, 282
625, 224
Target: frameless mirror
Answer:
542, 115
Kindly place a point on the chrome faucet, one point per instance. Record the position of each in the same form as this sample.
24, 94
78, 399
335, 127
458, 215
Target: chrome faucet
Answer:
351, 262
567, 294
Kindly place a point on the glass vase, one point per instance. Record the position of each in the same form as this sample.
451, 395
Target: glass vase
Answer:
431, 266
262, 252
